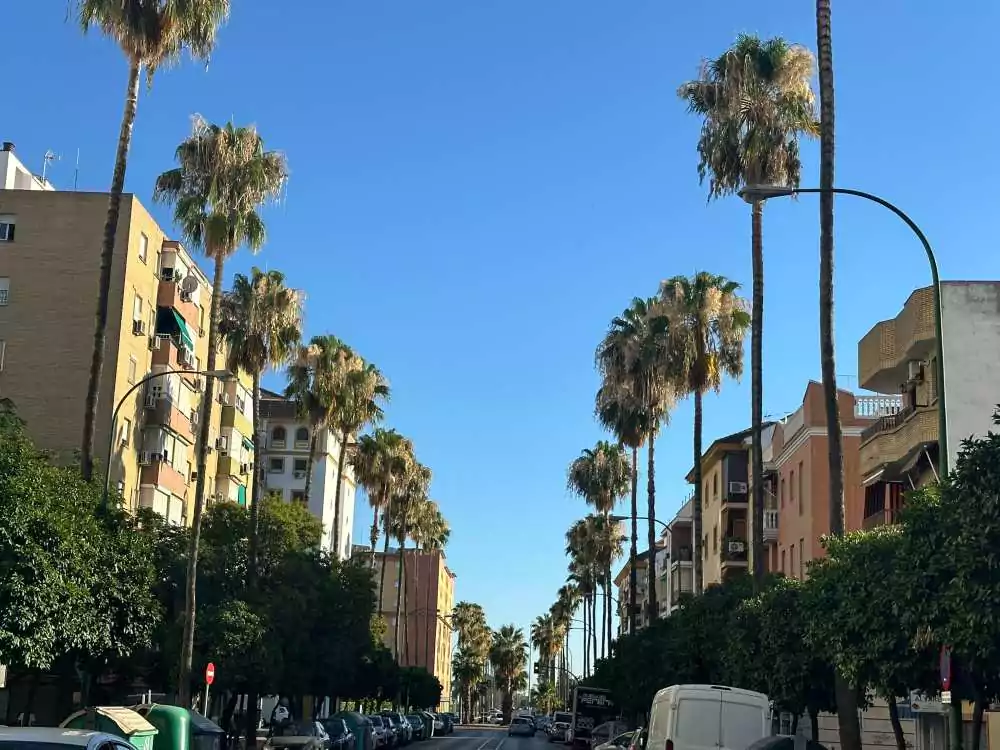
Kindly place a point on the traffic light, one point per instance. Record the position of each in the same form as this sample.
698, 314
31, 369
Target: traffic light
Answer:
537, 667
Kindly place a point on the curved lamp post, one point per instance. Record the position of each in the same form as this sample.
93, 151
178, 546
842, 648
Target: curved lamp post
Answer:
755, 193
221, 374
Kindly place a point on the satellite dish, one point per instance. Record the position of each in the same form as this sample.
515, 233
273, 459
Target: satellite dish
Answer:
189, 284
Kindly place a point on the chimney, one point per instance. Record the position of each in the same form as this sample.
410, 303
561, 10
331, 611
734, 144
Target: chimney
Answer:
8, 146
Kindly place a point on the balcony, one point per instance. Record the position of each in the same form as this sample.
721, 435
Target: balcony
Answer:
771, 526
734, 552
876, 407
880, 518
169, 352
681, 556
886, 348
230, 466
161, 474
163, 412
891, 438
678, 594
169, 294
236, 419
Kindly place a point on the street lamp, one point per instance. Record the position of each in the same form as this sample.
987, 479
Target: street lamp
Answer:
619, 519
755, 193
221, 374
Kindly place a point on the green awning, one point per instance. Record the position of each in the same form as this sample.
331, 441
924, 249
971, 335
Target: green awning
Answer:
241, 495
183, 330
247, 443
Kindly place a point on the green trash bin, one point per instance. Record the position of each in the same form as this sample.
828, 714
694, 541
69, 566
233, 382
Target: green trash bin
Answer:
123, 722
361, 726
180, 728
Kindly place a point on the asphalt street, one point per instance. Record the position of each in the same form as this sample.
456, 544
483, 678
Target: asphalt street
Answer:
482, 738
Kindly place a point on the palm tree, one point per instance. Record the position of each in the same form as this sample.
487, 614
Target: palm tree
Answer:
756, 102
508, 655
150, 34
260, 322
634, 358
409, 496
566, 604
381, 462
474, 638
584, 573
224, 176
357, 404
545, 638
601, 476
315, 379
708, 323
620, 412
467, 672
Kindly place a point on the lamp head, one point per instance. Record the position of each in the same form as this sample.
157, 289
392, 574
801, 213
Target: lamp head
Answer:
754, 193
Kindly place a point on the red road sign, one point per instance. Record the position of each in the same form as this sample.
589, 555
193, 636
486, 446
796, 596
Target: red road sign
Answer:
209, 674
945, 667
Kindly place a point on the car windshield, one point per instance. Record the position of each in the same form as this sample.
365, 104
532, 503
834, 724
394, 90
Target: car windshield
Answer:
298, 729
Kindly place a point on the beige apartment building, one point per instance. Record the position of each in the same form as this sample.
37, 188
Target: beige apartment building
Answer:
676, 573
623, 586
426, 599
899, 450
158, 319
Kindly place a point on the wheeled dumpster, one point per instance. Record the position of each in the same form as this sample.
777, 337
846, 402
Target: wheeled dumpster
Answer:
116, 720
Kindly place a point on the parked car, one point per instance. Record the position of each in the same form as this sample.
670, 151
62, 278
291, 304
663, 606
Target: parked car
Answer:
382, 731
557, 732
48, 738
404, 732
341, 737
419, 730
621, 742
519, 725
606, 733
300, 735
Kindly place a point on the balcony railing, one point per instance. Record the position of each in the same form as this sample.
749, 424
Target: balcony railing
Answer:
771, 525
886, 423
678, 593
876, 407
880, 518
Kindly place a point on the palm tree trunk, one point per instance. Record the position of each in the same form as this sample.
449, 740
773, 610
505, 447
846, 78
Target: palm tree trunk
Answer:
756, 395
651, 528
699, 498
254, 495
633, 574
107, 258
604, 614
586, 638
309, 462
607, 578
593, 627
399, 600
205, 419
373, 538
385, 547
341, 464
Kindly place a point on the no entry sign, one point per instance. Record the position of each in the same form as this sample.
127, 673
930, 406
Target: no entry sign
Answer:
210, 673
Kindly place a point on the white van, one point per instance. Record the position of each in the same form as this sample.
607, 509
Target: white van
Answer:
707, 717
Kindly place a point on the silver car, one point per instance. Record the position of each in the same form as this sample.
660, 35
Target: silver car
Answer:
520, 725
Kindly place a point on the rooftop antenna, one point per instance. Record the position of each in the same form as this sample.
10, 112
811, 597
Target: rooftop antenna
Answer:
50, 156
76, 172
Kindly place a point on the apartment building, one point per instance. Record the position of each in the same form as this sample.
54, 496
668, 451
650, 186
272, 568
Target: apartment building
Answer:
623, 585
725, 507
158, 313
285, 449
426, 597
15, 176
899, 451
677, 571
796, 475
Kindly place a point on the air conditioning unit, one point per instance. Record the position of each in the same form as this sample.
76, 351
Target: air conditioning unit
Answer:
154, 456
154, 343
198, 387
194, 475
244, 468
915, 371
150, 400
737, 546
193, 417
226, 401
145, 458
299, 474
138, 327
186, 358
221, 444
185, 296
737, 488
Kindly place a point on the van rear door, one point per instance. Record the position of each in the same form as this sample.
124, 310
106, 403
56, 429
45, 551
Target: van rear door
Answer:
696, 720
743, 720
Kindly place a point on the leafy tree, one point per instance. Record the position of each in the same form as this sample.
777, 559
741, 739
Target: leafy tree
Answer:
508, 655
224, 176
419, 687
150, 33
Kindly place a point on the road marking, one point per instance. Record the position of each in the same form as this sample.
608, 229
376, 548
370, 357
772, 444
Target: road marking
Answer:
500, 745
485, 743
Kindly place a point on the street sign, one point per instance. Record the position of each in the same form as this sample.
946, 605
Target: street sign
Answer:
945, 667
946, 697
210, 673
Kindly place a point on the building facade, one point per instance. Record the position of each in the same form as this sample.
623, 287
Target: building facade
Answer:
899, 450
424, 597
15, 176
158, 312
623, 585
677, 574
285, 447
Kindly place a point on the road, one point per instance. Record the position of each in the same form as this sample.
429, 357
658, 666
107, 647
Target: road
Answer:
483, 738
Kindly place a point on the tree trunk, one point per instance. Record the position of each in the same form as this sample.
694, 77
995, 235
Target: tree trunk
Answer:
604, 614
651, 528
400, 569
309, 461
699, 498
978, 706
252, 719
633, 575
205, 420
848, 722
897, 727
385, 548
255, 496
341, 463
593, 627
795, 724
813, 724
757, 396
373, 538
107, 258
607, 578
586, 637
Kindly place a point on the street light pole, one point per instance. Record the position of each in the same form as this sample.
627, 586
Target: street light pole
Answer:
754, 193
114, 417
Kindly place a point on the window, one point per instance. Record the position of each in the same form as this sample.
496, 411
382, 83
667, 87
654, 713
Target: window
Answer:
791, 560
715, 485
791, 487
190, 473
276, 466
143, 247
301, 436
278, 437
715, 538
781, 492
782, 561
802, 555
800, 488
298, 496
137, 307
3, 351
7, 229
301, 464
4, 290
124, 431
132, 365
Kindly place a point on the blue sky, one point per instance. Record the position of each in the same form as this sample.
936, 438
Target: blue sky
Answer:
479, 186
